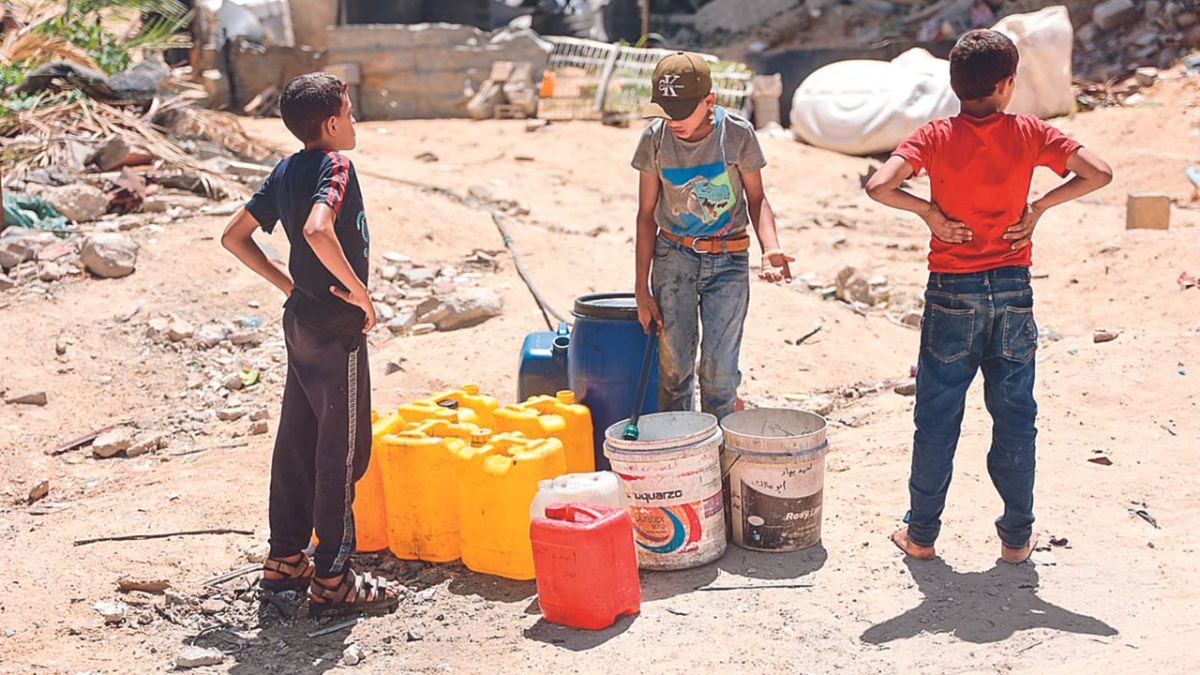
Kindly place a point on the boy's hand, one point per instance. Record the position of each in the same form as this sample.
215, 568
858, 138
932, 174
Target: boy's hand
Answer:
949, 231
647, 308
775, 266
361, 301
1021, 234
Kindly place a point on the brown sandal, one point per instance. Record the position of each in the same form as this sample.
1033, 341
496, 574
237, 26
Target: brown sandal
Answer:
1016, 556
911, 548
352, 593
295, 575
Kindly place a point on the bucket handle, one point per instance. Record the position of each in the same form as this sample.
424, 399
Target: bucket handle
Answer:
569, 512
725, 474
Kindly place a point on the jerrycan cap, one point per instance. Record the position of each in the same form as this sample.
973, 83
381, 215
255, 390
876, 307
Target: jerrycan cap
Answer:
566, 397
480, 437
472, 389
449, 404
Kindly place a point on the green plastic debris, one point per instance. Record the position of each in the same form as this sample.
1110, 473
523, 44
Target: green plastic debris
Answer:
250, 377
33, 212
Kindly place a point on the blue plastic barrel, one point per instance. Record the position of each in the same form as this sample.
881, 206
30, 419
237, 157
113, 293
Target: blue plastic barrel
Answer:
543, 369
605, 361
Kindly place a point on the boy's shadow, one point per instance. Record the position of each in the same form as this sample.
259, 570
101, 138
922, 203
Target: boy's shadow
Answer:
980, 607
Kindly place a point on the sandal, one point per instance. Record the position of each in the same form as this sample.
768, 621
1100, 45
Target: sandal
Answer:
294, 575
350, 594
1016, 556
911, 548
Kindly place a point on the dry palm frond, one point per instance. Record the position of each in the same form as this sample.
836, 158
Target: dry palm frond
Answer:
44, 137
184, 119
30, 45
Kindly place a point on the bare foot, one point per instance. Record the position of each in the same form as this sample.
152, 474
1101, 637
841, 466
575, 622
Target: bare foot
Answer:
902, 542
1016, 556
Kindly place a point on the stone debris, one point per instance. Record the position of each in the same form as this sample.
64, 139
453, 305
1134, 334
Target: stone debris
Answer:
113, 612
37, 398
231, 414
259, 428
198, 657
908, 388
39, 491
109, 255
149, 443
79, 202
1101, 335
113, 442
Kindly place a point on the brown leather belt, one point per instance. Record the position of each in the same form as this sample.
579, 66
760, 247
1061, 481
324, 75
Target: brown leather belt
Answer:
710, 244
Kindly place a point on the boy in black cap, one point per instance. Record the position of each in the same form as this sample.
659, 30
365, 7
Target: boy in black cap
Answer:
324, 438
700, 187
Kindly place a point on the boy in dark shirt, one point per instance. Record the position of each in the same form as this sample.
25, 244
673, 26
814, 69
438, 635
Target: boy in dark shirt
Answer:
979, 304
324, 439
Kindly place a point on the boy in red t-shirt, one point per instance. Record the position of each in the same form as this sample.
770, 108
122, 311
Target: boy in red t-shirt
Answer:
978, 303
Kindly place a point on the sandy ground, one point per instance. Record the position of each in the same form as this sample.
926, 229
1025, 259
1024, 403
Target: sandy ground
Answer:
1120, 598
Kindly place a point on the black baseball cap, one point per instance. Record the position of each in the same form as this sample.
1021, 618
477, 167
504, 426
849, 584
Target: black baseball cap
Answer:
681, 80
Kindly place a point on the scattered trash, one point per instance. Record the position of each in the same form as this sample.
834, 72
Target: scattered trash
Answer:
250, 377
1101, 335
353, 655
1186, 281
32, 212
1102, 461
678, 612
1145, 515
1060, 542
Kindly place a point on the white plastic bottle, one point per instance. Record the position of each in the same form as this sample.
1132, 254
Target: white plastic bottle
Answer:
600, 487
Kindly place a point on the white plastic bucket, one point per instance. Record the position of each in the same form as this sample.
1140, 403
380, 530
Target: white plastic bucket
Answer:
774, 463
672, 481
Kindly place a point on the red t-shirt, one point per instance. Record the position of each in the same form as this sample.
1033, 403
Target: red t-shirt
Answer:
980, 170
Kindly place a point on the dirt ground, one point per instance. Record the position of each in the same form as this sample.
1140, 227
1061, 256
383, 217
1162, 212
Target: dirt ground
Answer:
1120, 597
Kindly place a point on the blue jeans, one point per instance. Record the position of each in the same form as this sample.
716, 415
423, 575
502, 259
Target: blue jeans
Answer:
972, 321
693, 289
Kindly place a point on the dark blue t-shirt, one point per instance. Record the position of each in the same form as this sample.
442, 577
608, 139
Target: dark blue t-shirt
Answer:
306, 178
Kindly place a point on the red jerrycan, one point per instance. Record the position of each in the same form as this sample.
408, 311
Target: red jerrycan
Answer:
586, 565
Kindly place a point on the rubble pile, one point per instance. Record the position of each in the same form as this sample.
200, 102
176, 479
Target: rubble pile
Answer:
88, 155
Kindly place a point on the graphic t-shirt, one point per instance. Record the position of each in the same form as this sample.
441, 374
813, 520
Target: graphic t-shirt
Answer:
980, 170
701, 192
306, 178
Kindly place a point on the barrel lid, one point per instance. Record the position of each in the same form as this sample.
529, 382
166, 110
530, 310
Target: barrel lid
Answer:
607, 306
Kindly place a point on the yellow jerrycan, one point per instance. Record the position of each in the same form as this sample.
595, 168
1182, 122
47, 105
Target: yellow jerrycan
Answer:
472, 407
554, 417
370, 513
425, 409
496, 486
420, 487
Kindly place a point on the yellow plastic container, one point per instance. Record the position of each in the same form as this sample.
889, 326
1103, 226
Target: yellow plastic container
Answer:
370, 512
424, 409
420, 487
472, 407
554, 417
496, 486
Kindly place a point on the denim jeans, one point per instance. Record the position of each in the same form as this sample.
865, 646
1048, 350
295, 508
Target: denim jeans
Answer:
973, 321
694, 289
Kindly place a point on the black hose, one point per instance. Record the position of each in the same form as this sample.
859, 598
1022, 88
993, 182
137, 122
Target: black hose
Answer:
543, 305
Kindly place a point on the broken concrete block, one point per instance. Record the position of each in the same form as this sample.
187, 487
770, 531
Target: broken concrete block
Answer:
198, 657
1147, 211
79, 202
109, 255
1113, 13
112, 443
